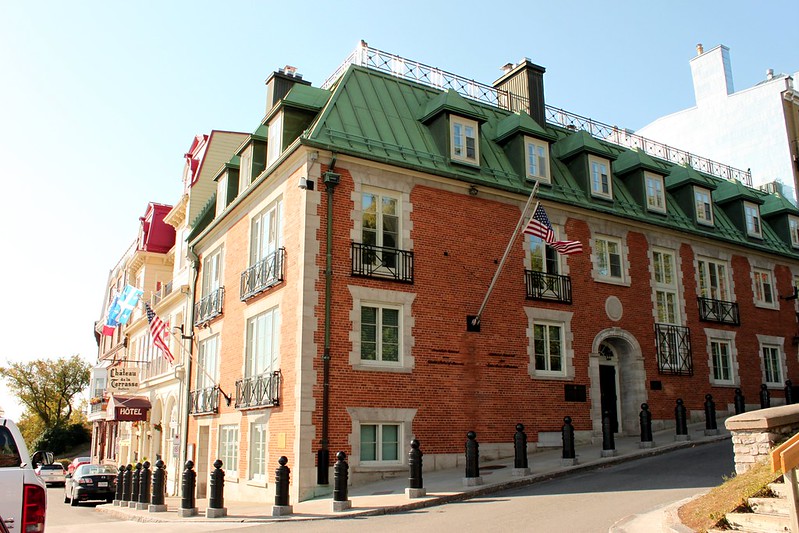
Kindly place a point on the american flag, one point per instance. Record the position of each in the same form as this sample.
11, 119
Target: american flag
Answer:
157, 330
539, 225
567, 247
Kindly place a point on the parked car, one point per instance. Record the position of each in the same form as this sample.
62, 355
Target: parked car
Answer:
90, 482
52, 474
76, 462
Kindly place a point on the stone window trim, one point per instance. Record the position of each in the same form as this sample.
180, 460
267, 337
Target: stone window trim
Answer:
254, 421
625, 262
707, 256
779, 343
551, 316
376, 415
676, 285
403, 300
383, 184
712, 334
762, 303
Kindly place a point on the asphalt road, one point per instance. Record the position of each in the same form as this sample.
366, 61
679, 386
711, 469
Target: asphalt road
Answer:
587, 502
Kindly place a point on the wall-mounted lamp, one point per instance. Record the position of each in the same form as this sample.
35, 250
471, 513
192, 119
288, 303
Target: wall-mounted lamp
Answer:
305, 184
472, 190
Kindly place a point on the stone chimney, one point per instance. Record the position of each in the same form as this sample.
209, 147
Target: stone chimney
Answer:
279, 83
524, 83
712, 73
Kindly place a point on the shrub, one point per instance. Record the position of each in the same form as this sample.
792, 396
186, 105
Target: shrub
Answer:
60, 439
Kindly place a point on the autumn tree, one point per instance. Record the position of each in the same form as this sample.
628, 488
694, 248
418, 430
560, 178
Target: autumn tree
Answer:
47, 388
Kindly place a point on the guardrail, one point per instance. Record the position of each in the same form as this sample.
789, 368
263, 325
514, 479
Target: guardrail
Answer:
785, 457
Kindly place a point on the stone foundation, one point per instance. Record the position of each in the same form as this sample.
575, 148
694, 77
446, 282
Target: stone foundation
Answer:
754, 434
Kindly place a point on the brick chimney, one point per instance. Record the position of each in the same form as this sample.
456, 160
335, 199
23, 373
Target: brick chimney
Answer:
279, 83
524, 83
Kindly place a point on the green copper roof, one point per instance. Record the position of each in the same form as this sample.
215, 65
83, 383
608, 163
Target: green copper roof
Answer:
634, 159
306, 97
681, 175
261, 133
728, 191
520, 122
580, 141
452, 102
776, 204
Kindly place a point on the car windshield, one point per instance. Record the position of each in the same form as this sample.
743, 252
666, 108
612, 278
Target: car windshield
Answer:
91, 470
52, 467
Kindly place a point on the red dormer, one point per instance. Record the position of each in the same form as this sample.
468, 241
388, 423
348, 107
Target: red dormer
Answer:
155, 235
193, 159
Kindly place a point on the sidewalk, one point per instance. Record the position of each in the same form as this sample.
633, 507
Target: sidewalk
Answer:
443, 486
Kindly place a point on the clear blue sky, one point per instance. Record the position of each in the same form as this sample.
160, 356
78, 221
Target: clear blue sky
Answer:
100, 99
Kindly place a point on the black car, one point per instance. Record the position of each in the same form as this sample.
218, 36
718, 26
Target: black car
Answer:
90, 482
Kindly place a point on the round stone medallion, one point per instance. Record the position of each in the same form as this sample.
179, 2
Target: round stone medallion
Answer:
613, 308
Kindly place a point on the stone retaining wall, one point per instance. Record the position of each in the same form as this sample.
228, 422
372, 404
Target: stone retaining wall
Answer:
754, 434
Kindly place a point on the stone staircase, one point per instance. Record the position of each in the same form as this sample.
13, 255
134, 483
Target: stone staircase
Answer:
769, 515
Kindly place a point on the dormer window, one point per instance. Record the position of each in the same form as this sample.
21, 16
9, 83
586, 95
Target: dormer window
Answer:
464, 142
537, 159
752, 212
600, 178
274, 143
245, 168
655, 197
704, 209
793, 224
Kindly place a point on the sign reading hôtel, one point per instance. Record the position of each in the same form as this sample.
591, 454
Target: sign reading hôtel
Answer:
122, 379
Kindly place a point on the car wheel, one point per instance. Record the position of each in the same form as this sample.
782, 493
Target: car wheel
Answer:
73, 502
66, 500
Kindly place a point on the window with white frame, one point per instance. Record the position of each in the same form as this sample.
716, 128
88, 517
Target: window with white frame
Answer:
380, 228
714, 279
793, 225
752, 213
463, 140
229, 449
245, 168
721, 356
262, 343
380, 333
380, 443
764, 287
258, 452
266, 229
207, 363
664, 266
704, 207
542, 258
655, 197
608, 258
274, 139
212, 271
537, 159
221, 194
601, 184
548, 348
772, 364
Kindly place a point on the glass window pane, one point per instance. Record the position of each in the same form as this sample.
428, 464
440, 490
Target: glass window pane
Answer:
368, 442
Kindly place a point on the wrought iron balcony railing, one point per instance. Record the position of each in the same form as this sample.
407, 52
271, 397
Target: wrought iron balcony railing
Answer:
372, 58
381, 262
209, 307
543, 286
674, 350
98, 407
258, 391
711, 310
263, 275
159, 295
204, 401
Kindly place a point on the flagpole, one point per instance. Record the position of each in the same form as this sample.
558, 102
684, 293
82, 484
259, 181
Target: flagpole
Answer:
210, 378
476, 319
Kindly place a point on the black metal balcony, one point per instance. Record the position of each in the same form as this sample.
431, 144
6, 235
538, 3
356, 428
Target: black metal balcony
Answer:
552, 287
258, 391
263, 275
204, 401
674, 350
711, 310
209, 307
380, 262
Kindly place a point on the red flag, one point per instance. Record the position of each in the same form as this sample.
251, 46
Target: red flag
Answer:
157, 330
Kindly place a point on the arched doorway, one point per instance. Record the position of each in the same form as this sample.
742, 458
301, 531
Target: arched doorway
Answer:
618, 380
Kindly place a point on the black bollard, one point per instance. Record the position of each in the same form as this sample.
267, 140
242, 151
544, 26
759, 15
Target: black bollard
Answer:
765, 397
520, 447
145, 478
788, 392
120, 485
740, 403
472, 456
159, 485
135, 483
645, 418
340, 475
567, 435
127, 483
681, 421
187, 486
216, 487
608, 443
415, 466
282, 482
710, 416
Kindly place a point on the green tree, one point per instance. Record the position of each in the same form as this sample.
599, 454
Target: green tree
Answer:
47, 388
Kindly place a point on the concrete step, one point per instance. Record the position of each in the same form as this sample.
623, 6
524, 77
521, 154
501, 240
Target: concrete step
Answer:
779, 489
758, 523
778, 506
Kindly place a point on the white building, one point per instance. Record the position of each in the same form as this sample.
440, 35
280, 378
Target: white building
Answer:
755, 128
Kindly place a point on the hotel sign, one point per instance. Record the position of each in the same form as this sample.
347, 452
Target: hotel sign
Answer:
122, 379
129, 414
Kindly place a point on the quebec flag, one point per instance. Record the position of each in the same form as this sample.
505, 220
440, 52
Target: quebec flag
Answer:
122, 307
111, 319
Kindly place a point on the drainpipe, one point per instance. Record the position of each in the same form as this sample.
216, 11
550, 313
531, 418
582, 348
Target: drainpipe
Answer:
184, 437
331, 179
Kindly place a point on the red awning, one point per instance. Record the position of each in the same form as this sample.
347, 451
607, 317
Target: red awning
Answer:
127, 408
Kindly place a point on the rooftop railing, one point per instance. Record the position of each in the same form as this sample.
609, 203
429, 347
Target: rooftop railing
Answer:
369, 57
